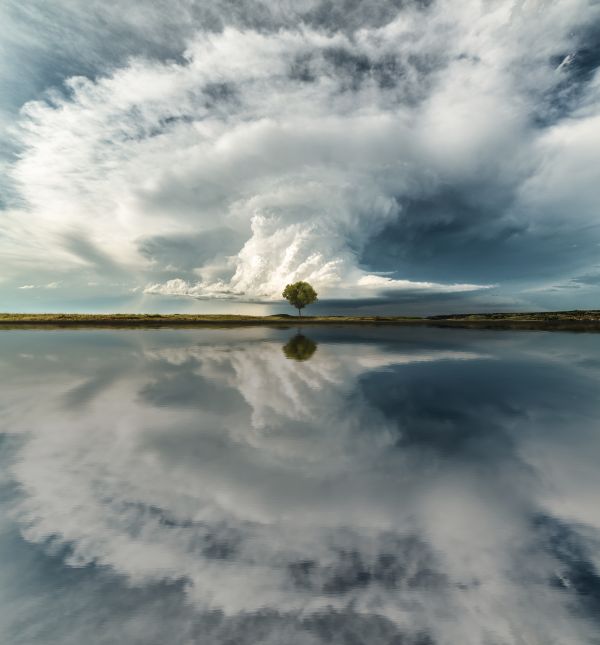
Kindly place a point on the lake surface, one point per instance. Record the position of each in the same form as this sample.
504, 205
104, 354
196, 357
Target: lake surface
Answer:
397, 486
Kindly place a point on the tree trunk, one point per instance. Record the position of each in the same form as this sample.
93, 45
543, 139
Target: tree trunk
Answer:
300, 312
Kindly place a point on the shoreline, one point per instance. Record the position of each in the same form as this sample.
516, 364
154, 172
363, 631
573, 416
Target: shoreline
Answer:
550, 321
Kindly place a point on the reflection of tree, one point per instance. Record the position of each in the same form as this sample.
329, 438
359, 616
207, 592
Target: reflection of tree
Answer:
299, 348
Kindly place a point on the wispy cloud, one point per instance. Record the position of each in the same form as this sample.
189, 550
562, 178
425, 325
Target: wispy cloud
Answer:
49, 285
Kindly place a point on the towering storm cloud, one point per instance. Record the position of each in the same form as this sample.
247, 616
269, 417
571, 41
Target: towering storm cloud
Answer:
435, 154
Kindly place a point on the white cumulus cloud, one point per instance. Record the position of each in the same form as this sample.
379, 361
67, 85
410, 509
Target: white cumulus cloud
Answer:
304, 143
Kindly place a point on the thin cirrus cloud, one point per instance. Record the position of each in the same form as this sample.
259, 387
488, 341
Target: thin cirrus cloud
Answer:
429, 149
50, 285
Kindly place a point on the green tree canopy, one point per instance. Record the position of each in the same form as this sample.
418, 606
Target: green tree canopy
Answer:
299, 295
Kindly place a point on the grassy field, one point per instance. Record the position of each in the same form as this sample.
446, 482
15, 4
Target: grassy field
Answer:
574, 315
188, 319
578, 319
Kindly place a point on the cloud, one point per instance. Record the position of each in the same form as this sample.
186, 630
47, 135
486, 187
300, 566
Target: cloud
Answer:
50, 285
366, 285
228, 153
179, 287
383, 283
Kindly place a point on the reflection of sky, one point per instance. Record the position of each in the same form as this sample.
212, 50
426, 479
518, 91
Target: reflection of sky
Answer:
440, 485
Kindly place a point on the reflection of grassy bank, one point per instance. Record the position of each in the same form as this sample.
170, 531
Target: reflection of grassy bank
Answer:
560, 320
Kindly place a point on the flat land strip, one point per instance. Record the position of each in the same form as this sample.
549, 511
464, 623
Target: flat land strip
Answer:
585, 320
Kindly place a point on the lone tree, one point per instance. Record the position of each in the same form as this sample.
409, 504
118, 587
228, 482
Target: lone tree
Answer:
299, 295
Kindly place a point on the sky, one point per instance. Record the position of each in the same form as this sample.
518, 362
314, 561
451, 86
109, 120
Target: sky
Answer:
403, 156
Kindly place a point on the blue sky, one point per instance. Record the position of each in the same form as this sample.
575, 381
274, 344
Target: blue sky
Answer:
414, 157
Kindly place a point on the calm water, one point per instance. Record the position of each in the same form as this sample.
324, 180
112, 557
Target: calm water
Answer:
253, 486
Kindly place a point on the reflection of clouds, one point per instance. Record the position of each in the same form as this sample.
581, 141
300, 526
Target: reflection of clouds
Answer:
292, 404
269, 483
